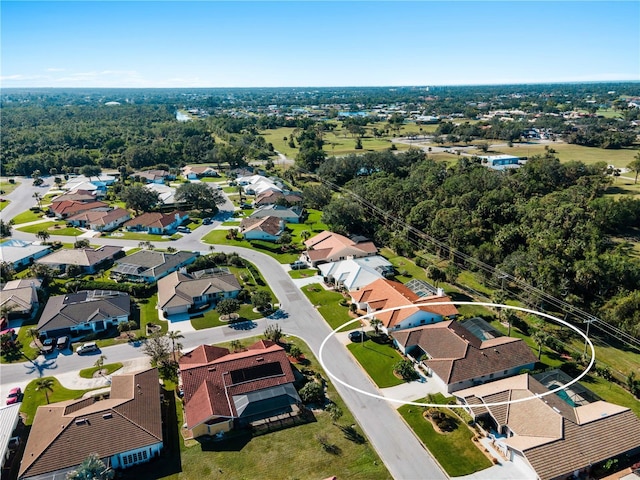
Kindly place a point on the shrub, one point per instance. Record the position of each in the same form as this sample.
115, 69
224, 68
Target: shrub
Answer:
405, 369
312, 392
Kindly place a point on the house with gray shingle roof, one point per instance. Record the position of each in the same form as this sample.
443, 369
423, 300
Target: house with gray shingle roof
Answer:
123, 430
550, 435
460, 359
288, 214
89, 259
150, 266
84, 312
223, 389
180, 292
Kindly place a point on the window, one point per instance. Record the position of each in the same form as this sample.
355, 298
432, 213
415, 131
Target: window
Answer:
124, 459
135, 457
130, 458
144, 454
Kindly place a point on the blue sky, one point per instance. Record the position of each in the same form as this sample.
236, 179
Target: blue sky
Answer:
330, 43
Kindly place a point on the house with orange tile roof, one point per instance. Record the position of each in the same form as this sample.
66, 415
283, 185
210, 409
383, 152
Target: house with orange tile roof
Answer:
552, 435
157, 223
68, 208
386, 294
333, 247
123, 430
100, 220
223, 389
459, 358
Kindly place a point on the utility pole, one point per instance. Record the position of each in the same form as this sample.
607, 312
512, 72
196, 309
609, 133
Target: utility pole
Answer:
588, 322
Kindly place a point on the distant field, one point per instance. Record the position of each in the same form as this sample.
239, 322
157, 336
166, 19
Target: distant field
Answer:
566, 152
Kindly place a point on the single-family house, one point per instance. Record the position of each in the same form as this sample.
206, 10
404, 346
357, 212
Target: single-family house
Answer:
20, 297
181, 292
157, 223
385, 294
223, 390
332, 247
76, 196
166, 194
271, 197
150, 266
460, 359
100, 220
69, 208
258, 184
21, 253
90, 260
155, 176
83, 312
123, 430
354, 273
86, 186
267, 228
96, 184
552, 435
193, 172
292, 214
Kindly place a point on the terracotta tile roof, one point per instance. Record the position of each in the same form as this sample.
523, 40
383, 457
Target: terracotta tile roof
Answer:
208, 388
456, 355
383, 294
64, 434
202, 355
154, 219
556, 438
328, 245
70, 207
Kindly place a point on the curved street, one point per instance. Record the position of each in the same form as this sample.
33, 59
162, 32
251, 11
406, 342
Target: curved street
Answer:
403, 454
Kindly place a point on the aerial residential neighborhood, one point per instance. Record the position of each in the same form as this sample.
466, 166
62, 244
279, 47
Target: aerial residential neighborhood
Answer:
333, 283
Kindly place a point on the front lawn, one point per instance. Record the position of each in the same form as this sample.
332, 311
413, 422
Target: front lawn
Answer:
211, 318
3, 203
327, 303
303, 273
378, 361
219, 237
455, 451
53, 228
144, 237
6, 187
33, 399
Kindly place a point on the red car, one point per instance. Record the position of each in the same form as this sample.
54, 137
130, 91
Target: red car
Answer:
14, 396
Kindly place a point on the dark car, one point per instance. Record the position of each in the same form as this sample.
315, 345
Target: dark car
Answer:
48, 345
357, 336
62, 343
206, 221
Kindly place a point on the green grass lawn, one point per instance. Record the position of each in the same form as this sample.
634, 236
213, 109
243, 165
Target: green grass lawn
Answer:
378, 360
289, 453
455, 451
218, 237
143, 237
7, 187
27, 216
303, 273
211, 318
33, 399
624, 187
54, 228
327, 303
110, 368
3, 204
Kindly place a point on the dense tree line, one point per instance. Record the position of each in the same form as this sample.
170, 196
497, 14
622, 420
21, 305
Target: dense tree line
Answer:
546, 223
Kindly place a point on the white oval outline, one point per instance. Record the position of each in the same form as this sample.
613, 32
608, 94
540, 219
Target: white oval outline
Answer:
484, 304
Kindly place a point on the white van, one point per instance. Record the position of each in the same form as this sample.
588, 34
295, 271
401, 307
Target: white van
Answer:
87, 348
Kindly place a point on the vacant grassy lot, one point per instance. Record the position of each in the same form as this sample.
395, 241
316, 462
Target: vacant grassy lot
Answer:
27, 216
290, 453
327, 303
567, 152
218, 237
378, 360
33, 399
455, 451
143, 237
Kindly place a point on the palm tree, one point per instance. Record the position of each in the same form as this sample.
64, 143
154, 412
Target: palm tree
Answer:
540, 337
304, 235
236, 345
38, 198
43, 235
634, 166
173, 336
91, 467
45, 384
100, 363
34, 333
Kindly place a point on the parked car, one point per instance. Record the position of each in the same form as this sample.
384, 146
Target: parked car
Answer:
298, 265
48, 345
62, 343
87, 348
246, 206
15, 394
184, 229
357, 336
207, 221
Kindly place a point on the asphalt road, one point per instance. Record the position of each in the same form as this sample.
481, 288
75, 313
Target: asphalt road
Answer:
395, 442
